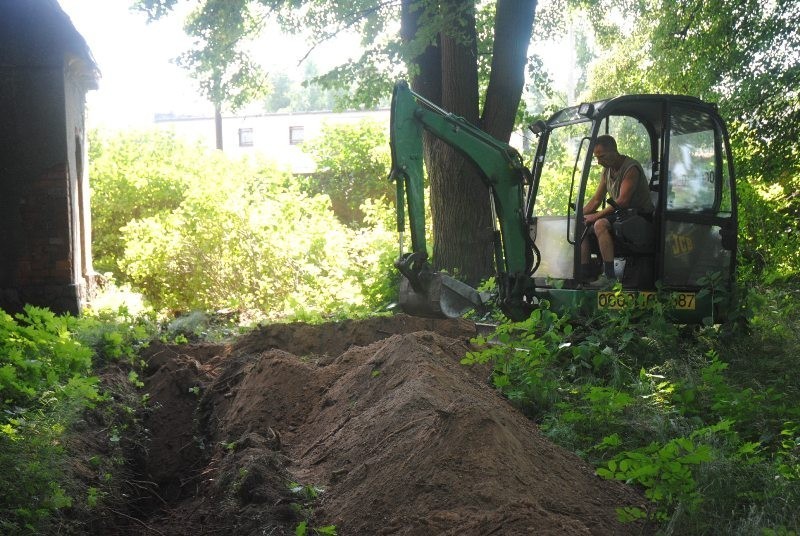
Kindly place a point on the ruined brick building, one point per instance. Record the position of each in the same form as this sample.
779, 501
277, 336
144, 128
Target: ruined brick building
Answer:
46, 70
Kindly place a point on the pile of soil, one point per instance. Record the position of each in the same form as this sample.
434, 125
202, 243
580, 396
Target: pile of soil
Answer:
377, 424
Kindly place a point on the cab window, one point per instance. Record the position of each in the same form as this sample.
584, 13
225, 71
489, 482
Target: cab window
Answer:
694, 174
559, 179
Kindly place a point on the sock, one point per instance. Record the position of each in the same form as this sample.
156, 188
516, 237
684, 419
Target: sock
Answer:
608, 268
586, 272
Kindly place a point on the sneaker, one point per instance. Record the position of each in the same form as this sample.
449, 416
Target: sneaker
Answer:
602, 283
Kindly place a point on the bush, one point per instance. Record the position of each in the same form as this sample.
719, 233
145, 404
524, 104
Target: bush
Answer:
234, 235
352, 166
134, 176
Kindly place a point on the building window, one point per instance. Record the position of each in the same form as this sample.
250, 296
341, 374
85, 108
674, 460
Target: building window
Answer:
245, 137
296, 135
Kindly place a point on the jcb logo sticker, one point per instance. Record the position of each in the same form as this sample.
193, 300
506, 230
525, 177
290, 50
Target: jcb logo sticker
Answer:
681, 243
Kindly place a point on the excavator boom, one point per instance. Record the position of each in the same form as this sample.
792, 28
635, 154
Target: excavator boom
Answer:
423, 291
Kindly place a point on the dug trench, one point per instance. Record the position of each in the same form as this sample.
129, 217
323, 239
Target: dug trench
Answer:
370, 426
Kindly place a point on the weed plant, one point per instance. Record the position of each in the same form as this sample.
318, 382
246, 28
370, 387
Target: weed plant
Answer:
47, 381
704, 419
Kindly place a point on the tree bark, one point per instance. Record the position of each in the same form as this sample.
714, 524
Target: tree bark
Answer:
426, 66
462, 222
512, 35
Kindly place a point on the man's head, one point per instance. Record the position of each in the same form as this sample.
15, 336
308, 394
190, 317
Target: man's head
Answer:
605, 150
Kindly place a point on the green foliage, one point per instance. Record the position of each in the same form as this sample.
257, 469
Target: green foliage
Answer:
199, 326
115, 335
243, 237
288, 94
557, 189
703, 420
401, 40
372, 251
352, 164
46, 366
664, 470
219, 60
768, 211
31, 459
94, 496
134, 176
38, 355
230, 25
527, 372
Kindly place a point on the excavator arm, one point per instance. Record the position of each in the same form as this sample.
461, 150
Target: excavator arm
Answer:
423, 291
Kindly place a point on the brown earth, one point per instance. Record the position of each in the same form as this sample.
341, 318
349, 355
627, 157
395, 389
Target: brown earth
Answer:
378, 414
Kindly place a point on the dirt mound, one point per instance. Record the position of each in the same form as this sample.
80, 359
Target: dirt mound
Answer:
380, 415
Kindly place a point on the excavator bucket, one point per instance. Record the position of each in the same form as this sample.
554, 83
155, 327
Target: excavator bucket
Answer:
440, 297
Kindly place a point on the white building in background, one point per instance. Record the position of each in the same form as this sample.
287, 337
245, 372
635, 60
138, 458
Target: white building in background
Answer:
277, 136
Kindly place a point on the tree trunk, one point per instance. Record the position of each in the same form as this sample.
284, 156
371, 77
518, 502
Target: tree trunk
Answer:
447, 74
427, 65
512, 35
218, 125
462, 222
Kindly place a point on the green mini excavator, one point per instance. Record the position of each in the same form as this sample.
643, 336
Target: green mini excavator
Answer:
690, 251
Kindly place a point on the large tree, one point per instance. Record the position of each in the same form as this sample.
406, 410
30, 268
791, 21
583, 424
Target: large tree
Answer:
442, 47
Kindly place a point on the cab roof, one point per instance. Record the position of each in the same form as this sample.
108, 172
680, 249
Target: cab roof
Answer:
648, 108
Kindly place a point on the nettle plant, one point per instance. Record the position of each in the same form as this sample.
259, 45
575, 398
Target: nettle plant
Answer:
645, 401
665, 471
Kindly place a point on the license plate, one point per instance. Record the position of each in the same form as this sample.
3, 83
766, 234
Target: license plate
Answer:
618, 300
684, 300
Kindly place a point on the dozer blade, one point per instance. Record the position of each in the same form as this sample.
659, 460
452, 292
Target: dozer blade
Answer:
445, 297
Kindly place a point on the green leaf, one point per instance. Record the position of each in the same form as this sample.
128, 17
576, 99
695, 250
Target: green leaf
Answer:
628, 514
604, 473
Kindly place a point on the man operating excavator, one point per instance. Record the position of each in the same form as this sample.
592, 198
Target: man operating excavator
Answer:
624, 181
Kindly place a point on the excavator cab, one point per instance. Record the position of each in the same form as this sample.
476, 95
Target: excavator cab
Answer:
690, 242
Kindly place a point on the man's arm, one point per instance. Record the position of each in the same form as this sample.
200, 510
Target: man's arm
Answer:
589, 214
627, 187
